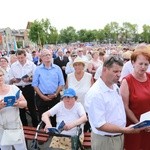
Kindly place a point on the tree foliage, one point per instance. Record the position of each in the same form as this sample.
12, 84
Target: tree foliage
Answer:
42, 32
68, 35
146, 33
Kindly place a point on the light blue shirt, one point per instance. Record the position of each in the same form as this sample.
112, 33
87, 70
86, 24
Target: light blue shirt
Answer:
69, 67
48, 79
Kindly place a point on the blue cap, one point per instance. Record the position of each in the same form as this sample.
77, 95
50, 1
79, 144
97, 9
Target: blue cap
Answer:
69, 92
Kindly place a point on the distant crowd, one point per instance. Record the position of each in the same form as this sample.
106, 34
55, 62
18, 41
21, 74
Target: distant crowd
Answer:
111, 82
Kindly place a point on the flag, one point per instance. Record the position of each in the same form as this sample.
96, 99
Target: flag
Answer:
0, 39
8, 48
15, 45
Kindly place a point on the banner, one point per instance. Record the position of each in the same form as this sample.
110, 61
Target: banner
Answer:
1, 39
15, 45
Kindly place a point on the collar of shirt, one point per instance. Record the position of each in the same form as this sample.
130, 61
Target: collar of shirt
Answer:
26, 63
61, 57
51, 66
106, 88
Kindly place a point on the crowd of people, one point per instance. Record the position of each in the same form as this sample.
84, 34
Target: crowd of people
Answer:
103, 88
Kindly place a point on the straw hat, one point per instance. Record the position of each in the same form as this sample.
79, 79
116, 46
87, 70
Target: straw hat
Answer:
127, 54
79, 60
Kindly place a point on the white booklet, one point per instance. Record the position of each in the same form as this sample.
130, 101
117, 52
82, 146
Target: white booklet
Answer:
144, 121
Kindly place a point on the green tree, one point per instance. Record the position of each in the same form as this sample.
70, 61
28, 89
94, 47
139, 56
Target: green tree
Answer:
41, 32
100, 35
19, 44
82, 35
111, 32
130, 31
91, 35
68, 35
146, 33
53, 36
121, 35
34, 33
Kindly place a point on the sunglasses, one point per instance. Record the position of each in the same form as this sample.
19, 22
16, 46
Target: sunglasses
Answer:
125, 59
113, 59
73, 55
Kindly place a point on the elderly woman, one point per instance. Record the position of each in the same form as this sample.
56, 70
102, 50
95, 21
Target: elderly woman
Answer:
135, 91
9, 115
79, 80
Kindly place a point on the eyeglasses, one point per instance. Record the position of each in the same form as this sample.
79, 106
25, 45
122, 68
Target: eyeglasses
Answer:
46, 55
126, 59
3, 61
113, 59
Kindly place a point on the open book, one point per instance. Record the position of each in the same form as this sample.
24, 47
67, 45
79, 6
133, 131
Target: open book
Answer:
57, 130
25, 76
10, 100
144, 121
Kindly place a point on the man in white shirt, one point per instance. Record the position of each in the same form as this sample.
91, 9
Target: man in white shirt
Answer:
105, 108
21, 75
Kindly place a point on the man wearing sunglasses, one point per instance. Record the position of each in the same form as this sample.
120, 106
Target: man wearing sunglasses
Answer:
105, 108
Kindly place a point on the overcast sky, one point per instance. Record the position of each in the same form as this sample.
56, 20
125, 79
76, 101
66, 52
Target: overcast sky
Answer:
81, 14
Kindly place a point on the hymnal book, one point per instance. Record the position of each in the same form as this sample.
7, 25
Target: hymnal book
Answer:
18, 94
9, 100
25, 76
144, 121
18, 79
58, 130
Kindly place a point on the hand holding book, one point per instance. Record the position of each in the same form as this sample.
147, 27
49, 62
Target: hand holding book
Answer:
144, 121
10, 100
58, 130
